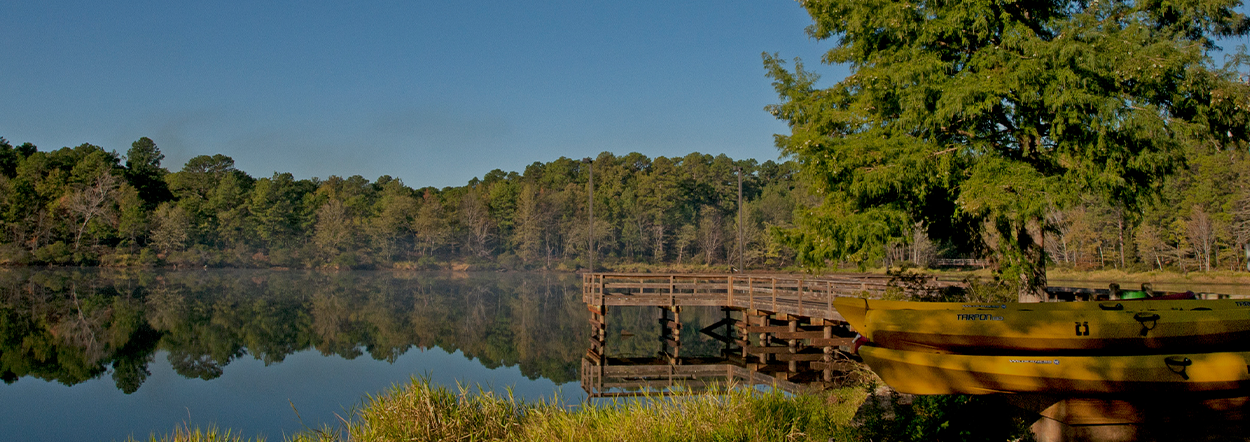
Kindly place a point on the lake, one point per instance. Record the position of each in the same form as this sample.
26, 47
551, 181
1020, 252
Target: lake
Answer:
100, 354
105, 354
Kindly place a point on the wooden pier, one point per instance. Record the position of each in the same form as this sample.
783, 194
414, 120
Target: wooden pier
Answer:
782, 331
779, 329
802, 296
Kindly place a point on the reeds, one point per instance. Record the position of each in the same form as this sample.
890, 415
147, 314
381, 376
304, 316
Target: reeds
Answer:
422, 411
186, 434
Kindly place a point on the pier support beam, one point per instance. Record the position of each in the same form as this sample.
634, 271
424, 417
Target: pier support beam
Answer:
670, 333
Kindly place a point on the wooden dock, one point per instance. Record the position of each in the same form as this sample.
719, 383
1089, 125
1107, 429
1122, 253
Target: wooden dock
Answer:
796, 295
778, 328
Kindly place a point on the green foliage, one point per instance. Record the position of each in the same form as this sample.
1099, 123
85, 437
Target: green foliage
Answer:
1199, 222
8, 159
144, 172
941, 417
211, 434
210, 213
422, 411
55, 253
12, 254
974, 119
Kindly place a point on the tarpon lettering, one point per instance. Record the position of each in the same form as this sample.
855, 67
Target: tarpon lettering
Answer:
977, 317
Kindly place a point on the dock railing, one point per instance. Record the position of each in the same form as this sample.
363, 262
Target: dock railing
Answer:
799, 295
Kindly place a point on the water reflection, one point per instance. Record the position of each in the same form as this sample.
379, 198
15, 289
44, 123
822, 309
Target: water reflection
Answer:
70, 326
646, 351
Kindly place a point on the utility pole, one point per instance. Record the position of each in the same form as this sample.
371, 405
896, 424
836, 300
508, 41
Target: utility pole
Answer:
590, 227
741, 267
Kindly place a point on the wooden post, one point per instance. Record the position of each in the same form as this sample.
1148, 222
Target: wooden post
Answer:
677, 334
765, 340
670, 334
750, 292
663, 332
827, 373
774, 293
793, 366
672, 288
596, 285
800, 289
829, 298
598, 331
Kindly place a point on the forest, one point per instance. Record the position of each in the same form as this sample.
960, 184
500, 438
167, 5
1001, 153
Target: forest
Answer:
88, 206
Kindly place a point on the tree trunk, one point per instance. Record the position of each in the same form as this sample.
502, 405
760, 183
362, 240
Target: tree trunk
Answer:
1030, 240
1120, 227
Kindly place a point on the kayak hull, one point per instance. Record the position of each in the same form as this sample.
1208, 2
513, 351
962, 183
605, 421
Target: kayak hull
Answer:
1143, 304
1059, 331
915, 372
1183, 326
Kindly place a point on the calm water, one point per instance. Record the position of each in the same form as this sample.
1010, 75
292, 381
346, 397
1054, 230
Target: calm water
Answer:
100, 355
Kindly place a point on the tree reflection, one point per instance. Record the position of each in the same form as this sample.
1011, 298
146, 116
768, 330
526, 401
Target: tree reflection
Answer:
70, 326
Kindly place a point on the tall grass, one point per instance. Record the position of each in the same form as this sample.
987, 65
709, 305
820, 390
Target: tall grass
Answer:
422, 411
186, 434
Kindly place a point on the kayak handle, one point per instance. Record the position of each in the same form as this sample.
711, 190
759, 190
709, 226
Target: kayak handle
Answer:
1177, 361
1110, 306
1143, 318
1146, 316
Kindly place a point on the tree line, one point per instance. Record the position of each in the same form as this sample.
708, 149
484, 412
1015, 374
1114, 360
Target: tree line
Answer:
89, 206
1200, 221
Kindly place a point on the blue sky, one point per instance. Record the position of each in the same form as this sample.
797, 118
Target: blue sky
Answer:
432, 92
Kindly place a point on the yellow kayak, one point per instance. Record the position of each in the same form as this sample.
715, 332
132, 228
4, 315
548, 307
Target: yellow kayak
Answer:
1116, 327
915, 372
1058, 331
850, 307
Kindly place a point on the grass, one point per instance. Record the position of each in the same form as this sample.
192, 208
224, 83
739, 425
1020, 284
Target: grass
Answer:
212, 434
421, 411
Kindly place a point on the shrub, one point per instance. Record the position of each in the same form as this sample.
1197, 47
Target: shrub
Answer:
55, 253
13, 254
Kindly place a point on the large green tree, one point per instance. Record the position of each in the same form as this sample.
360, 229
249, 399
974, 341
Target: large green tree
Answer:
975, 118
144, 172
